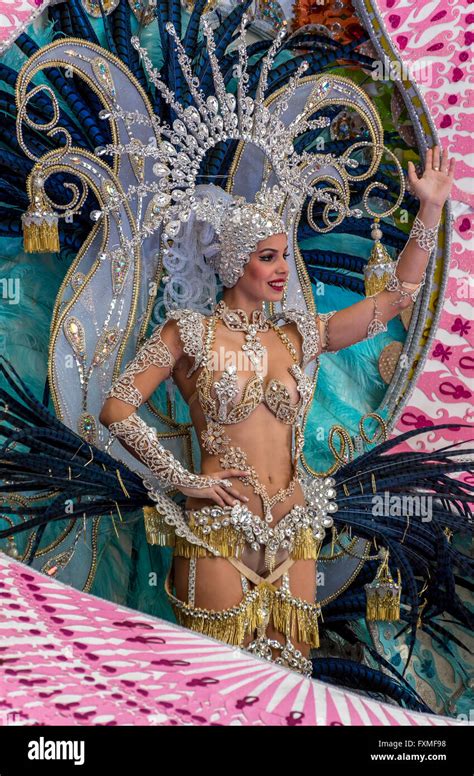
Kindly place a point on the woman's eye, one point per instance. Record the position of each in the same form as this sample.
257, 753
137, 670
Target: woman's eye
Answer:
268, 257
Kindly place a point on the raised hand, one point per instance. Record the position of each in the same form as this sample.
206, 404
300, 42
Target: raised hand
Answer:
434, 187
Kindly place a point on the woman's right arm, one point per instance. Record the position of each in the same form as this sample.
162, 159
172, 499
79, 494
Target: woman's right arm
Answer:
153, 363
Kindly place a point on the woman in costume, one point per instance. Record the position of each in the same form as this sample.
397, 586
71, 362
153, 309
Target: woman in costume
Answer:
267, 543
103, 486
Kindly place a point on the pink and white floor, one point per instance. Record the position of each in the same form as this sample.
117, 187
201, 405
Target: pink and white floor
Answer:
70, 658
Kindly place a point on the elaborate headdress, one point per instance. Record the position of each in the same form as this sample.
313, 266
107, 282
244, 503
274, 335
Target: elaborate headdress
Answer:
179, 149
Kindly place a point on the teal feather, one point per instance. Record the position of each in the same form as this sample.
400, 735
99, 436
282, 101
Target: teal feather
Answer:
354, 370
25, 325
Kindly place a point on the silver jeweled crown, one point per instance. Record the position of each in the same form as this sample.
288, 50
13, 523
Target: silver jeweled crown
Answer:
180, 149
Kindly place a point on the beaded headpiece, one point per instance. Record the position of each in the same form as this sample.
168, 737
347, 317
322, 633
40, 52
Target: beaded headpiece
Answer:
239, 226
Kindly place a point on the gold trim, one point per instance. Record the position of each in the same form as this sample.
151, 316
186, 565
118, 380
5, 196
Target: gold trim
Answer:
29, 499
57, 541
72, 269
93, 568
76, 294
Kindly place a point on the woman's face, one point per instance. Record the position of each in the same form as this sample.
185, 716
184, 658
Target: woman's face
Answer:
267, 270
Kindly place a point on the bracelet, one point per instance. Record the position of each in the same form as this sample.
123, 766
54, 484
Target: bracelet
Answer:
324, 331
376, 326
404, 288
425, 237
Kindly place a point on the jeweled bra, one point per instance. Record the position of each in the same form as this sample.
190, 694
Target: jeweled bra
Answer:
222, 407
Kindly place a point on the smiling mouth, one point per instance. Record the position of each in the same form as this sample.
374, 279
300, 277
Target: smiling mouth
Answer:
278, 285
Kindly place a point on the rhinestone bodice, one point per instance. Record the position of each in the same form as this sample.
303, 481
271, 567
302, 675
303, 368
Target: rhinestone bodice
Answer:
223, 401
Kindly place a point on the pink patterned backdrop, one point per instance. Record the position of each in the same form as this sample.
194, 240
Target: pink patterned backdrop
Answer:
70, 658
440, 33
14, 14
113, 650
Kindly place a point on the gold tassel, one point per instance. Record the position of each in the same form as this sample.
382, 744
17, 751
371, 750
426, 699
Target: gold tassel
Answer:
307, 626
184, 549
305, 545
282, 615
156, 530
40, 223
299, 621
383, 594
380, 264
228, 625
230, 628
229, 542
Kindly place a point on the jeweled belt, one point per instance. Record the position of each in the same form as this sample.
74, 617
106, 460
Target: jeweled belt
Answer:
300, 526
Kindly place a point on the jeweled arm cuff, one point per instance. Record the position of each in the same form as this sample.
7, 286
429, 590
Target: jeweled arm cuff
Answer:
123, 388
143, 439
153, 352
426, 238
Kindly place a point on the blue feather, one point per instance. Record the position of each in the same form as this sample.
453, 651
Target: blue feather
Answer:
192, 30
121, 20
82, 28
357, 676
78, 107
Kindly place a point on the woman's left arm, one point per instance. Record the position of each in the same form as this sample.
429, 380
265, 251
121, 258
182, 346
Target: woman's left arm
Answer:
369, 317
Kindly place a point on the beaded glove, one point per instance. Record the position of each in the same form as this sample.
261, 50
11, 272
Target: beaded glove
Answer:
143, 439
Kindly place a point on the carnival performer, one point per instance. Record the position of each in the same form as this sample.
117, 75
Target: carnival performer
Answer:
214, 474
241, 372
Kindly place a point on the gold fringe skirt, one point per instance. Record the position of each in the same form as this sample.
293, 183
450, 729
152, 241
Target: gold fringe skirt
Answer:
290, 615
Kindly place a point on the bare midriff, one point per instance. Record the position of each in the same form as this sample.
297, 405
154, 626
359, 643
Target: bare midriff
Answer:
264, 439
